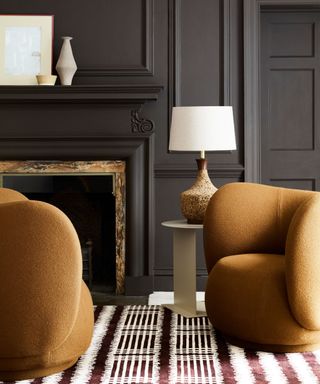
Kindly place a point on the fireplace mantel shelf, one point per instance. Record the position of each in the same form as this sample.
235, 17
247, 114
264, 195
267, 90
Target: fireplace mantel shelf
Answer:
117, 93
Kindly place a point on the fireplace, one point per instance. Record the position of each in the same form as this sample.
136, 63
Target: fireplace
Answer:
92, 195
92, 123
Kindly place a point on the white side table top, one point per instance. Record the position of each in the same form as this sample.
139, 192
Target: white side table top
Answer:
181, 224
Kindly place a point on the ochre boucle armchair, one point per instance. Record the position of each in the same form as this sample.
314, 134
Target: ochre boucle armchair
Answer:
262, 248
46, 318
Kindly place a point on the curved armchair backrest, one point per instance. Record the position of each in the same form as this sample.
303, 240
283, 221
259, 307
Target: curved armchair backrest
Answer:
249, 218
9, 195
40, 277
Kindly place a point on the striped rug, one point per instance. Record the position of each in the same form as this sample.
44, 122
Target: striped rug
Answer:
150, 344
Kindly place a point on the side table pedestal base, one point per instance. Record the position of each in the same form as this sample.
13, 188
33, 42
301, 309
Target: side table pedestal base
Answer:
201, 310
184, 269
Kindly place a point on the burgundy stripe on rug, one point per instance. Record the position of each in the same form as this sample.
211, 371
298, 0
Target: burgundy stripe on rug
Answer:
150, 344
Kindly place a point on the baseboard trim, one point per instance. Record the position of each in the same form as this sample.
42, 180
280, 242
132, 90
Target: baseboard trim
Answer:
138, 285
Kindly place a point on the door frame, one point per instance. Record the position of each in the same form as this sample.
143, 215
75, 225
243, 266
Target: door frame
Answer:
252, 98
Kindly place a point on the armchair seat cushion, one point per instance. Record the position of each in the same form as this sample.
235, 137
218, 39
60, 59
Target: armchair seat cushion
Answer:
247, 296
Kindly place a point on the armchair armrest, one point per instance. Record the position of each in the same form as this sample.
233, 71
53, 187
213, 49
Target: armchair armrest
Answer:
302, 264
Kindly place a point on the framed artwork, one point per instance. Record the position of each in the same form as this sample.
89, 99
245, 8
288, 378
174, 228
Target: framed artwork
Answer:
25, 48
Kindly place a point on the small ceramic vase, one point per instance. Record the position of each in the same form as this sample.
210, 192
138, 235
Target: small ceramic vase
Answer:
66, 65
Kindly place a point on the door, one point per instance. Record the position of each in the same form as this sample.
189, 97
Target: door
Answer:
290, 104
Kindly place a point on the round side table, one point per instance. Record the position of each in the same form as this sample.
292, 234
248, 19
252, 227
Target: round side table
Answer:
184, 269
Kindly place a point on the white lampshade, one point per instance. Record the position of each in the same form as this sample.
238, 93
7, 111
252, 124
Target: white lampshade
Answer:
202, 129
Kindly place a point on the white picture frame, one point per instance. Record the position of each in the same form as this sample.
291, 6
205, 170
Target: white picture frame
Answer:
25, 48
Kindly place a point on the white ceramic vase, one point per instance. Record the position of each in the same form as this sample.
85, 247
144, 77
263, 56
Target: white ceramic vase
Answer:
66, 65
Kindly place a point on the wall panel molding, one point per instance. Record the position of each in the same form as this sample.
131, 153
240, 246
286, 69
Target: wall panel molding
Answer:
169, 271
296, 183
174, 59
174, 54
226, 57
174, 48
174, 89
176, 172
147, 66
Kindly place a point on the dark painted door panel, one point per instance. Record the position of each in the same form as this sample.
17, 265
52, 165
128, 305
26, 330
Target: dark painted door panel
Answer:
290, 65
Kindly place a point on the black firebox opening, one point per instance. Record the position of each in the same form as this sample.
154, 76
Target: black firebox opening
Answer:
89, 203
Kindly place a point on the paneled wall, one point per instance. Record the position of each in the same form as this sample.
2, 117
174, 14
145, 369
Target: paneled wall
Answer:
193, 48
289, 98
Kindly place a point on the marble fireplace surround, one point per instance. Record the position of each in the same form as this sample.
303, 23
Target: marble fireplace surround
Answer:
85, 168
92, 123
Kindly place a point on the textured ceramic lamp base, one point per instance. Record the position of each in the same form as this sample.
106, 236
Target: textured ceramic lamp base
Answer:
194, 201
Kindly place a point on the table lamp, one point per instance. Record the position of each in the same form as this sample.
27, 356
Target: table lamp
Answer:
200, 129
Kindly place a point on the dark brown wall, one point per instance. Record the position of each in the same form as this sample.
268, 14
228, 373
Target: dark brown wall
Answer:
192, 48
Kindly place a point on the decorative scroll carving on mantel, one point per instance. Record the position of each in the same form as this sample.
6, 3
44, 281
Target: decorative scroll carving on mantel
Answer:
113, 94
140, 124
